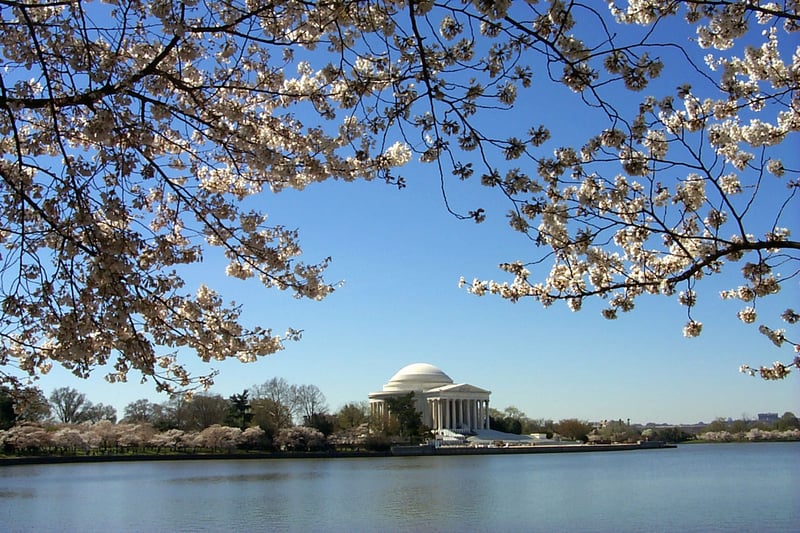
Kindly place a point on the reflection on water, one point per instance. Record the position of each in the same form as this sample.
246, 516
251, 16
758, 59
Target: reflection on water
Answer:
698, 488
16, 493
242, 478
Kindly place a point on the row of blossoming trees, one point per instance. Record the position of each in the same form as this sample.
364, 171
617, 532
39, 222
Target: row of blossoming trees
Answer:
272, 416
107, 437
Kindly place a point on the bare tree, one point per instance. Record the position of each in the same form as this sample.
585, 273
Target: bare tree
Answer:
98, 412
282, 400
139, 411
310, 401
69, 405
202, 411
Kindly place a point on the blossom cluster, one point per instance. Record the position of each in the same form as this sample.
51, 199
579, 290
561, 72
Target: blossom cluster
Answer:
694, 166
133, 133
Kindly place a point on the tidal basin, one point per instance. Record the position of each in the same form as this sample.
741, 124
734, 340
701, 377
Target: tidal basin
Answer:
699, 487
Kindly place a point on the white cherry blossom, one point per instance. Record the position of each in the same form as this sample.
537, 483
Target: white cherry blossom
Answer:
132, 133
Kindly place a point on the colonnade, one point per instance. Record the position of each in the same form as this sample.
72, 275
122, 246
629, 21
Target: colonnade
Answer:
443, 413
378, 410
458, 413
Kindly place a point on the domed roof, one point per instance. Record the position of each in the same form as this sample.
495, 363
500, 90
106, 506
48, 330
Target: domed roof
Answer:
417, 376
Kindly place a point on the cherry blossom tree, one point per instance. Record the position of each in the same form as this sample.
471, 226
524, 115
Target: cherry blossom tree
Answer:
71, 439
172, 438
253, 437
300, 439
107, 432
134, 132
26, 437
219, 437
130, 132
683, 184
135, 436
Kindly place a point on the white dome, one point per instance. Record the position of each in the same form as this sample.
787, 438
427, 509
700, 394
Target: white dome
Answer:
417, 376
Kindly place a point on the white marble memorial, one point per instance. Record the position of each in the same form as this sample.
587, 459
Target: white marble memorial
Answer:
444, 405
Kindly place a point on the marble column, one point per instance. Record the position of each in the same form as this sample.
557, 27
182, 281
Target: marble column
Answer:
471, 414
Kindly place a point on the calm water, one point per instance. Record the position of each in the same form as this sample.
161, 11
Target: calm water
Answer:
714, 487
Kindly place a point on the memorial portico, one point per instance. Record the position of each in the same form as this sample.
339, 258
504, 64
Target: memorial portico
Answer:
443, 404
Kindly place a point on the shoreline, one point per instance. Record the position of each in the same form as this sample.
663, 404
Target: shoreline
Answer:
396, 451
413, 451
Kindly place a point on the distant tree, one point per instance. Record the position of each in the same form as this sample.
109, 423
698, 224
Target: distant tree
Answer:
173, 439
69, 405
787, 421
106, 434
539, 425
300, 438
27, 438
574, 429
98, 412
497, 420
506, 425
740, 425
253, 437
668, 434
7, 415
514, 412
404, 411
218, 437
241, 410
352, 415
618, 431
719, 424
166, 415
201, 411
323, 422
510, 420
270, 416
139, 411
70, 440
282, 396
31, 405
309, 401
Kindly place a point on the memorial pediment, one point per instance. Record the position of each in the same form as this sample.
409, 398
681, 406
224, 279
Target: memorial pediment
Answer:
458, 388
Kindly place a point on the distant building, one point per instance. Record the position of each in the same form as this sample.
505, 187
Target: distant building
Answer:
444, 405
768, 417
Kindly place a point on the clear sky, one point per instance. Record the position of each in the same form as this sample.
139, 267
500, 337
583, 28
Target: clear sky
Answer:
401, 254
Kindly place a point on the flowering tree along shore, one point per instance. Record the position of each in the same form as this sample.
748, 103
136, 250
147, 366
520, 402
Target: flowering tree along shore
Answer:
105, 437
133, 131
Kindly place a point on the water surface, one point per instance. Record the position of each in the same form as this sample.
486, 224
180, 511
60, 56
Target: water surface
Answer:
704, 487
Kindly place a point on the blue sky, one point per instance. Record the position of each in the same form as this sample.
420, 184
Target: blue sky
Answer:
401, 254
